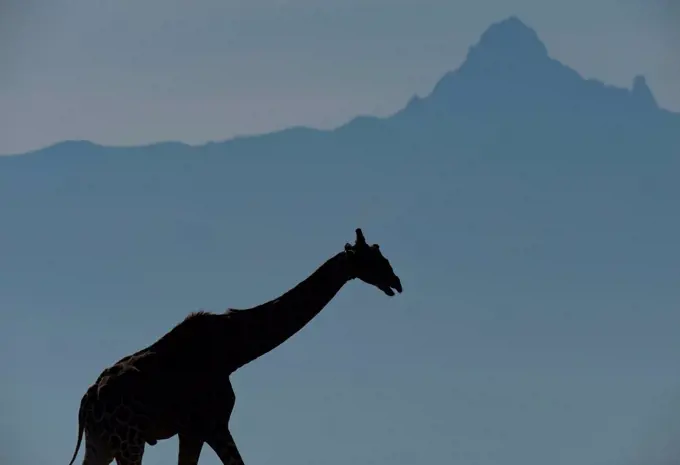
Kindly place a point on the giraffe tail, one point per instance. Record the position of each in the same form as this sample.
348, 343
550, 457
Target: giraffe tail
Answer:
81, 425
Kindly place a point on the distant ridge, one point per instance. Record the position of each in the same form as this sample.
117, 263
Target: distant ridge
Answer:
508, 71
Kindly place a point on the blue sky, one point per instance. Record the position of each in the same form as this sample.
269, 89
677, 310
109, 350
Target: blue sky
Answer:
136, 72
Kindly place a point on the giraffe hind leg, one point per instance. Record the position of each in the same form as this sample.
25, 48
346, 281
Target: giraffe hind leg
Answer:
131, 450
133, 461
129, 458
96, 453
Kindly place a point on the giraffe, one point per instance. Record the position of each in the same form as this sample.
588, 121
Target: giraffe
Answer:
180, 385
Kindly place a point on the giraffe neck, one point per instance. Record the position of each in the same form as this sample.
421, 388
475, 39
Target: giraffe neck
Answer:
267, 326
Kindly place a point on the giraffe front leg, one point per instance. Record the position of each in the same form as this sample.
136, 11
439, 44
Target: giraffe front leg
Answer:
224, 446
189, 450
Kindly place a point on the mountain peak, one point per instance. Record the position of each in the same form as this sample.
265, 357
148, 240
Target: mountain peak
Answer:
512, 34
509, 57
509, 70
642, 93
504, 43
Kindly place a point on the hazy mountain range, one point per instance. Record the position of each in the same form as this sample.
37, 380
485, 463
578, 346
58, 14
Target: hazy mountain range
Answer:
511, 153
511, 131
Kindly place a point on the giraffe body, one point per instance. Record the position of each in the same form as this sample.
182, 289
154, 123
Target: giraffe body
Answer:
179, 385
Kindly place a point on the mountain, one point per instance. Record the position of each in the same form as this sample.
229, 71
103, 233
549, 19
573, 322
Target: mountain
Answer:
523, 205
511, 124
510, 70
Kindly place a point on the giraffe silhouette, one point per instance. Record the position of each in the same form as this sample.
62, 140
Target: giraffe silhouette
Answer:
179, 385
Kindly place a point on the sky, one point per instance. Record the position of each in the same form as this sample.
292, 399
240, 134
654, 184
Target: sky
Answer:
134, 72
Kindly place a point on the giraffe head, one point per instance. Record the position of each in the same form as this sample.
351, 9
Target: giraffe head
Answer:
370, 266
